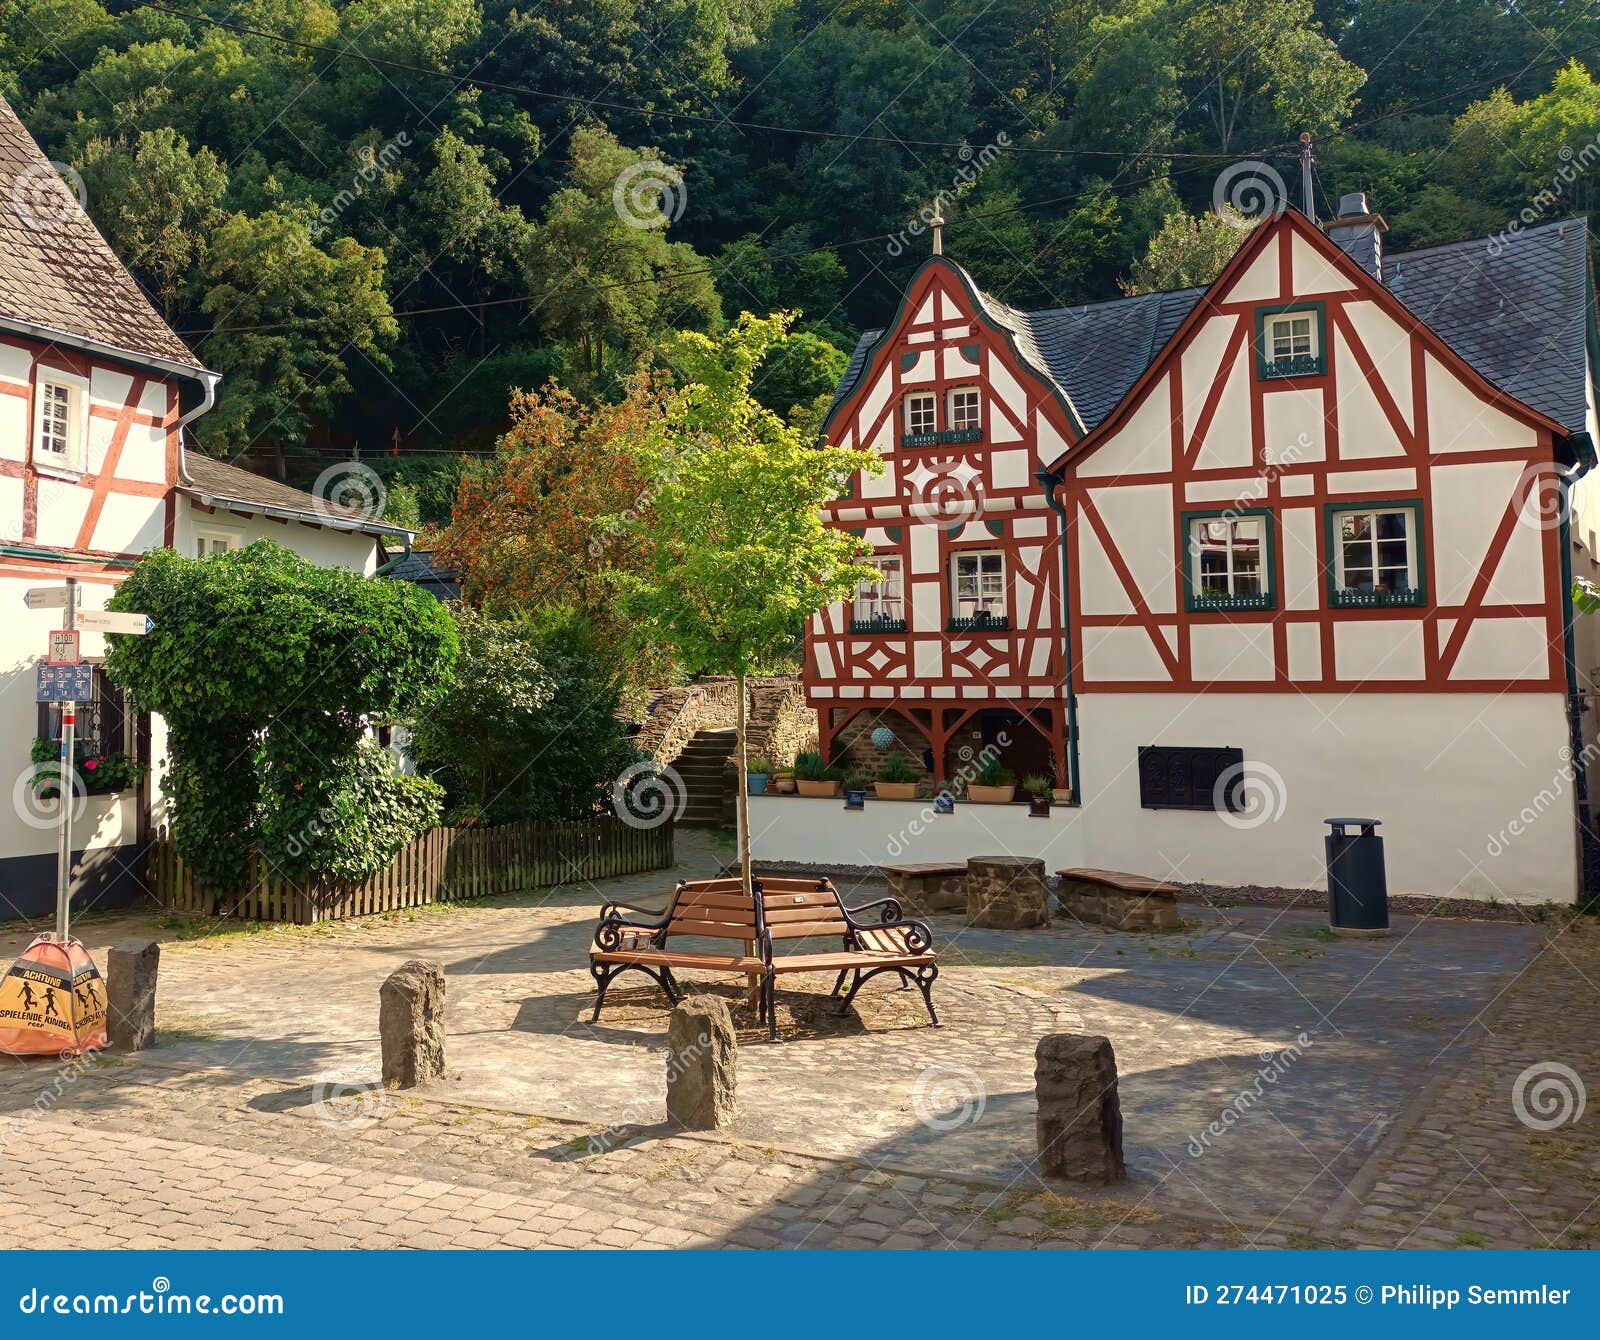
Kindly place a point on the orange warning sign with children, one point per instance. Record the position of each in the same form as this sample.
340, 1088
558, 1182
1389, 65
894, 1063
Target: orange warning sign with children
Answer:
52, 1001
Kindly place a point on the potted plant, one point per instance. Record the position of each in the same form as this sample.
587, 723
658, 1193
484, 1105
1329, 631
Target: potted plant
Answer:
1062, 795
757, 770
813, 777
1036, 787
897, 779
783, 781
855, 790
994, 784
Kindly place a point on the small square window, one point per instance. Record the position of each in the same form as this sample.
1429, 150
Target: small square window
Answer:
922, 414
212, 542
978, 588
880, 606
1230, 561
1289, 343
1376, 555
966, 409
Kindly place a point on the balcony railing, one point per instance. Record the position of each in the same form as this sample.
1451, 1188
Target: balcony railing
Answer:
950, 437
979, 623
1261, 600
1353, 598
878, 624
1298, 365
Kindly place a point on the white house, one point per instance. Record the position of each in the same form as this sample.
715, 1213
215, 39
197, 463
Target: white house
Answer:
1228, 562
95, 391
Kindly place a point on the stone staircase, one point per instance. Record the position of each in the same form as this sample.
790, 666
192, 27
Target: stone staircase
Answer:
703, 768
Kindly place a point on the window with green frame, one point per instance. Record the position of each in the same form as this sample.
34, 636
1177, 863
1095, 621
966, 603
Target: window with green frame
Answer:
1376, 555
1229, 562
1290, 341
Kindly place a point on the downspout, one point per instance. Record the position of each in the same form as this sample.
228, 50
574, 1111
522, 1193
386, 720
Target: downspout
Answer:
384, 569
1050, 483
1587, 840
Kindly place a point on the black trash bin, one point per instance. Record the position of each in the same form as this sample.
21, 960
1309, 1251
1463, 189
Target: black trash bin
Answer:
1358, 889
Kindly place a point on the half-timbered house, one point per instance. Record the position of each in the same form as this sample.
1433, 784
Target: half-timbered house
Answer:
1235, 560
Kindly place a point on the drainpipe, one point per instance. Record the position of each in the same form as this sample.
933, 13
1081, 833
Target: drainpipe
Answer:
383, 570
1050, 482
1587, 840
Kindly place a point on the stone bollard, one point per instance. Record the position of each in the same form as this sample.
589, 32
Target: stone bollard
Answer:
1080, 1115
1007, 893
131, 967
411, 1024
702, 1064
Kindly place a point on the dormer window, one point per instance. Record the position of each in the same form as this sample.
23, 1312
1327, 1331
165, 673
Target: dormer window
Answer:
1289, 341
922, 414
966, 410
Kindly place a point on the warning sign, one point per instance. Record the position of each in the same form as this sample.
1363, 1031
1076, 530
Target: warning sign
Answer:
52, 1001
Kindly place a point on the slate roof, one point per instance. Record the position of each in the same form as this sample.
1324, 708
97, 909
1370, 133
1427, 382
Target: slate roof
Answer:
207, 477
1513, 308
56, 271
421, 567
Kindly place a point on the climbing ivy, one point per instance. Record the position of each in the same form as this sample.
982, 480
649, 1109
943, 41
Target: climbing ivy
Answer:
267, 670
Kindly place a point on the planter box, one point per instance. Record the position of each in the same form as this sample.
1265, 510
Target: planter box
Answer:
818, 789
757, 782
784, 786
991, 795
895, 790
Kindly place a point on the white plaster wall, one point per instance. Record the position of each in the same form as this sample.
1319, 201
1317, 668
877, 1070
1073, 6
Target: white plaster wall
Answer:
1463, 815
324, 547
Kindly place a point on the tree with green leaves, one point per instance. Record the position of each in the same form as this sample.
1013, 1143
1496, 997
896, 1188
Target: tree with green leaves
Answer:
1188, 252
267, 671
739, 554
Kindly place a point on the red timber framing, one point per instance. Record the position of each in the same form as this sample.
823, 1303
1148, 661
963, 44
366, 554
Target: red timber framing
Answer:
107, 424
1342, 473
939, 499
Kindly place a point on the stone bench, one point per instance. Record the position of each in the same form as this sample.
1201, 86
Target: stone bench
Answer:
928, 886
1112, 898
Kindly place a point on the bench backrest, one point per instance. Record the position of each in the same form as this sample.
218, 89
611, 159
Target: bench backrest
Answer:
714, 907
797, 909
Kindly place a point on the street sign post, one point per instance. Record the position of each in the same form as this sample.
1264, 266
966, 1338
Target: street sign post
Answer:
45, 598
63, 647
109, 621
72, 683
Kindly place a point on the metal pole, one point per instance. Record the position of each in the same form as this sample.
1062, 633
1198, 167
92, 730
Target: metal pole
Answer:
64, 788
1308, 160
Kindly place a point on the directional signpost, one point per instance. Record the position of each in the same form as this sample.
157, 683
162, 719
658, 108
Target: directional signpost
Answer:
66, 680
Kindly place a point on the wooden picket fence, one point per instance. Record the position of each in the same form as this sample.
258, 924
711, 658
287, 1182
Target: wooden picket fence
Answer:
443, 865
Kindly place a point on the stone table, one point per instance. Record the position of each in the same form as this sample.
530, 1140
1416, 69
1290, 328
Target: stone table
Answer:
1007, 892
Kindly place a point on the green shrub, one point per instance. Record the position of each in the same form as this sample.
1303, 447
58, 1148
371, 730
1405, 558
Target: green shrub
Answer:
994, 773
527, 727
1036, 784
895, 768
759, 765
809, 767
267, 670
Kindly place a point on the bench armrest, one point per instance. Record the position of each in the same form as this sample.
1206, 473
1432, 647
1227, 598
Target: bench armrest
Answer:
610, 909
609, 933
890, 914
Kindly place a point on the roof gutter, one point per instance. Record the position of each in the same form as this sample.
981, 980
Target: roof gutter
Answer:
49, 335
345, 524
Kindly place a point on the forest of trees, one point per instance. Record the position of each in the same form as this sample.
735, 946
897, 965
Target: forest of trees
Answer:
379, 217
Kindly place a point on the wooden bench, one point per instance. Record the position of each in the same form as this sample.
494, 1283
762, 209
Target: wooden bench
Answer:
641, 938
803, 909
1114, 898
928, 886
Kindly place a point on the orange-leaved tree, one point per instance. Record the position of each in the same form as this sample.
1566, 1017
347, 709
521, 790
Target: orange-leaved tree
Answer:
536, 524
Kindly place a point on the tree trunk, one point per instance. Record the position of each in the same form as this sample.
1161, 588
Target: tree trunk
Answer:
742, 812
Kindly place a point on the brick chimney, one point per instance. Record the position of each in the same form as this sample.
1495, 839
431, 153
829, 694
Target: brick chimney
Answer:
1358, 232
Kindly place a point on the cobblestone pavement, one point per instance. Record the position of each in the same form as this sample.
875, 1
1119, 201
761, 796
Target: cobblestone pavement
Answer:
1278, 1088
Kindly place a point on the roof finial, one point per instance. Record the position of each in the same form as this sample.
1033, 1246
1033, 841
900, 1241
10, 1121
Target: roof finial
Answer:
937, 224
